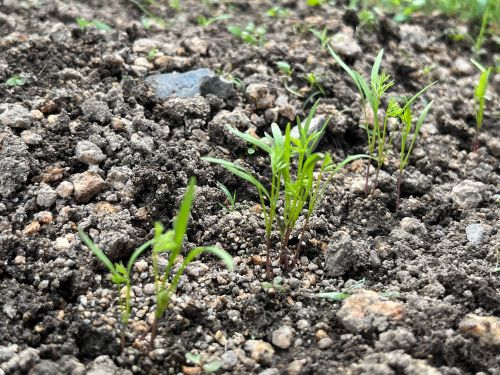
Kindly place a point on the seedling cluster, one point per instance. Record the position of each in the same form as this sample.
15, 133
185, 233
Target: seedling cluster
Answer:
166, 282
299, 178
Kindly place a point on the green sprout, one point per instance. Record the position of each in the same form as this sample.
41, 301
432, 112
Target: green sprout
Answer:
119, 274
250, 34
322, 35
175, 4
315, 3
207, 367
277, 12
171, 242
480, 97
371, 93
230, 198
314, 82
99, 25
205, 22
301, 188
277, 285
345, 293
152, 53
284, 67
15, 81
149, 18
405, 116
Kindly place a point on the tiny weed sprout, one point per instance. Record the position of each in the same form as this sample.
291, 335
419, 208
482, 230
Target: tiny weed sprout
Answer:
371, 93
149, 18
15, 81
284, 68
99, 25
322, 35
205, 22
208, 367
250, 34
480, 97
175, 4
119, 274
277, 285
277, 12
406, 118
152, 53
345, 293
315, 3
230, 198
171, 243
300, 187
314, 83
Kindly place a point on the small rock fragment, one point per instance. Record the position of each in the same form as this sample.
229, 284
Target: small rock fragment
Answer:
15, 116
46, 196
344, 43
87, 185
366, 310
96, 110
282, 337
89, 153
468, 194
475, 233
260, 351
259, 95
485, 328
181, 84
65, 189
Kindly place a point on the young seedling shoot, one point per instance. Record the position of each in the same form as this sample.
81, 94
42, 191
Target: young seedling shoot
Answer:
480, 98
407, 128
230, 203
171, 242
119, 275
371, 93
300, 187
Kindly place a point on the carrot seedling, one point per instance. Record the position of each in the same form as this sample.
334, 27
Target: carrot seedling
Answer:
171, 242
119, 274
480, 98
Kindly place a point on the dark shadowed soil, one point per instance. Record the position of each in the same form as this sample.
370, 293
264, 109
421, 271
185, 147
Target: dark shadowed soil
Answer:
85, 142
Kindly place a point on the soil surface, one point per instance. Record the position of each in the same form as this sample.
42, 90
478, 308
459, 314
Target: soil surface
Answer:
85, 142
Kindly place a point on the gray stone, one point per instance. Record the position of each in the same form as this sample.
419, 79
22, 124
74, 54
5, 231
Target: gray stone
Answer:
270, 371
46, 196
494, 146
89, 153
21, 362
15, 164
103, 365
30, 138
9, 310
260, 95
218, 87
46, 367
413, 226
142, 143
65, 189
15, 116
229, 359
118, 176
344, 43
180, 84
282, 337
468, 194
316, 124
399, 338
325, 343
98, 111
414, 35
475, 233
7, 352
345, 254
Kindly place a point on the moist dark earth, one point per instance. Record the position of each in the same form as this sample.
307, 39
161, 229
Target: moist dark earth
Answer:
85, 142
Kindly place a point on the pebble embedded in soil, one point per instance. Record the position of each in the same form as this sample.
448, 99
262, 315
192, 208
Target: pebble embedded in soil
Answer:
282, 337
15, 116
260, 351
468, 194
367, 310
87, 185
89, 153
181, 84
475, 233
485, 328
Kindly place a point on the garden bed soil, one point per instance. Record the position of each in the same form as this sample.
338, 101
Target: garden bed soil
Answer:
85, 142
